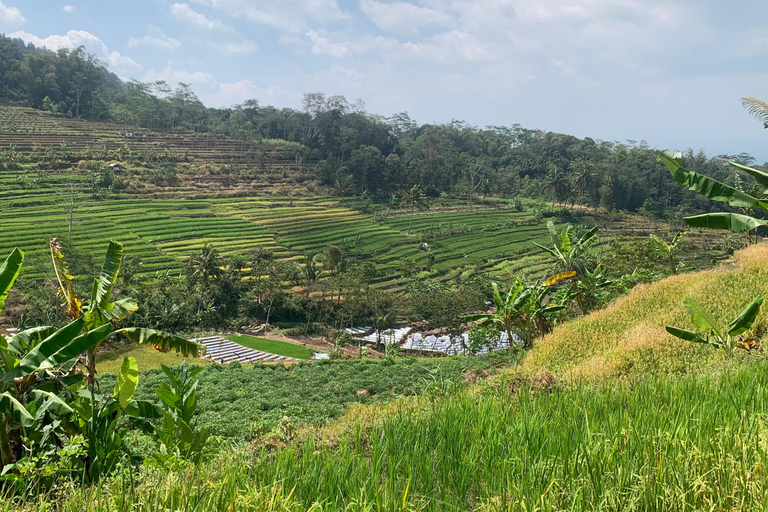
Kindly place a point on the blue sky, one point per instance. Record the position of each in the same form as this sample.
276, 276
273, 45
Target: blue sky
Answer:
667, 71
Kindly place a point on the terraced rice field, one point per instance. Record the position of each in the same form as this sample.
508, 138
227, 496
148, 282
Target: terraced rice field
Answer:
163, 233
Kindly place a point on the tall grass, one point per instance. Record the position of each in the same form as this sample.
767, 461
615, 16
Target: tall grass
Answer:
628, 340
683, 443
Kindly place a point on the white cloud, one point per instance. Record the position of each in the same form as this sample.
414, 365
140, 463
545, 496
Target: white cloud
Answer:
183, 13
222, 94
453, 45
402, 17
68, 8
11, 15
118, 63
155, 38
225, 38
323, 46
285, 15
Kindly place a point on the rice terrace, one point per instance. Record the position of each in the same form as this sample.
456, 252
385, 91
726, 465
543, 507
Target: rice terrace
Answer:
226, 305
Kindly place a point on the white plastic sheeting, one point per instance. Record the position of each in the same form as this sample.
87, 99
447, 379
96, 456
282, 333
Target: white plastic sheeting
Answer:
418, 341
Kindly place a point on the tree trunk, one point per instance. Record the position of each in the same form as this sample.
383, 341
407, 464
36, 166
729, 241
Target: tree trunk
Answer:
90, 364
410, 221
269, 311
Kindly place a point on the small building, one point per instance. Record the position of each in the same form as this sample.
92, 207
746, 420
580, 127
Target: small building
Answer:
129, 135
115, 167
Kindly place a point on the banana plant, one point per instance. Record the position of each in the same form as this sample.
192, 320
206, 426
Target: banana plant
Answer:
100, 310
524, 312
570, 256
30, 363
712, 334
668, 248
717, 191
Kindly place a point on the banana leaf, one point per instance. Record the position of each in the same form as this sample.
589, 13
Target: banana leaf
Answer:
747, 317
9, 271
730, 221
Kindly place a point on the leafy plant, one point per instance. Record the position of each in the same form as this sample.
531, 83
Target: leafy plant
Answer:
729, 338
179, 432
525, 311
668, 248
570, 256
414, 198
717, 191
45, 399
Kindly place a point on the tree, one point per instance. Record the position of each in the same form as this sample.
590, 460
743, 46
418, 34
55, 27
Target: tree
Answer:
414, 198
206, 266
717, 191
757, 108
99, 311
312, 139
556, 182
475, 179
584, 180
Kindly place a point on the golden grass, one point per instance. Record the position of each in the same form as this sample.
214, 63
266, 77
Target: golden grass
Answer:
109, 361
627, 339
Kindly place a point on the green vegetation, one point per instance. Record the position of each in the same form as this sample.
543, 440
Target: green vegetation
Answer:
715, 335
250, 401
316, 220
663, 444
280, 348
628, 340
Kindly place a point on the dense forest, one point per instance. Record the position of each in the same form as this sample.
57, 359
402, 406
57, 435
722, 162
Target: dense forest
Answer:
356, 152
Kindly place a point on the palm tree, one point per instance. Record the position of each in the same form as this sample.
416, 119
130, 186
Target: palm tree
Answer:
344, 186
415, 198
207, 264
556, 182
584, 179
757, 108
313, 139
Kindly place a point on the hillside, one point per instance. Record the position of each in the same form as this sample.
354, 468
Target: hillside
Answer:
628, 340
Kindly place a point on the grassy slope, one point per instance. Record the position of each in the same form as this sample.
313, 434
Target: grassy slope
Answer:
679, 443
272, 346
627, 339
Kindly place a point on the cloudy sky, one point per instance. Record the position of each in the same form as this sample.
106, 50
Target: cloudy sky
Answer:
667, 71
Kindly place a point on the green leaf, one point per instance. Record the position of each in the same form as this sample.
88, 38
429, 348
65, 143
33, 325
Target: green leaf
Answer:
700, 317
565, 241
23, 341
746, 318
59, 347
9, 271
760, 176
13, 408
163, 341
50, 401
707, 186
661, 244
730, 221
108, 276
127, 381
143, 409
686, 335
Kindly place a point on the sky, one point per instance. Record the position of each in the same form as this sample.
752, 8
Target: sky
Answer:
670, 72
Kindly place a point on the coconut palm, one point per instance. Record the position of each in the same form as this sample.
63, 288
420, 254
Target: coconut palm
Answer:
757, 108
415, 198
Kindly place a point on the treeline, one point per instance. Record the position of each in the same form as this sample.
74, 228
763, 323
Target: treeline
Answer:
355, 152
